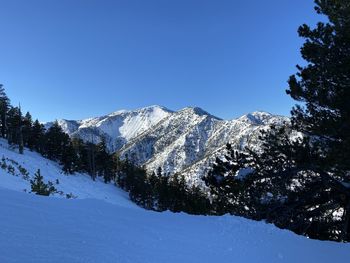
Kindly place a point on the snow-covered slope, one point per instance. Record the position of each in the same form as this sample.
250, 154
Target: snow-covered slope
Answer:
186, 141
17, 170
47, 230
102, 225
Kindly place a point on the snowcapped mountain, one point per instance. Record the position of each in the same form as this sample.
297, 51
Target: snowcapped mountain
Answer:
186, 141
117, 128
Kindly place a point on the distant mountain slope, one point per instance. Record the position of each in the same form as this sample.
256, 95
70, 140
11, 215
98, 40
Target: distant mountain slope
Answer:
186, 141
117, 128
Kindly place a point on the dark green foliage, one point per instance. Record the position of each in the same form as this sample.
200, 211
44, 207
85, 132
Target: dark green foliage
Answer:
59, 147
104, 162
39, 187
17, 129
225, 188
11, 169
27, 126
69, 158
3, 163
91, 159
36, 139
81, 150
56, 142
4, 108
323, 85
70, 196
13, 125
158, 192
281, 186
23, 172
300, 182
20, 133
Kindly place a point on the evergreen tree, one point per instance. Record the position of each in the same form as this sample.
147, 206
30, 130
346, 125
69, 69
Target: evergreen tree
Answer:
69, 159
56, 142
37, 137
4, 108
226, 187
298, 179
91, 159
162, 190
39, 187
20, 132
116, 165
323, 87
139, 188
104, 161
197, 202
13, 125
177, 193
27, 126
81, 150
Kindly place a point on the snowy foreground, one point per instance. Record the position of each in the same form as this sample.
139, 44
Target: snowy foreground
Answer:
102, 225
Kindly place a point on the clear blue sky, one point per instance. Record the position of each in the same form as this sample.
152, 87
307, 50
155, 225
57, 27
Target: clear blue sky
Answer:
80, 58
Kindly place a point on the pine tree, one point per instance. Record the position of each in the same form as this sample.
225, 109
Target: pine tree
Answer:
20, 132
13, 125
323, 87
27, 126
298, 177
39, 187
69, 159
197, 201
116, 166
56, 142
37, 137
163, 193
81, 150
104, 161
91, 159
4, 108
177, 193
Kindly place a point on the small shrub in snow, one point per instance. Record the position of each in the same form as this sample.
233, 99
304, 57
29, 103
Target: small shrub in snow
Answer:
70, 196
23, 172
39, 187
3, 164
11, 169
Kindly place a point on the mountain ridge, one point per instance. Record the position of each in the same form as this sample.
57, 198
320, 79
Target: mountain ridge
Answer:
186, 141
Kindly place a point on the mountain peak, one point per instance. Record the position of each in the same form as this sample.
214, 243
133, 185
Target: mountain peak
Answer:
256, 117
185, 141
198, 111
152, 108
262, 118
